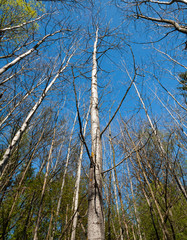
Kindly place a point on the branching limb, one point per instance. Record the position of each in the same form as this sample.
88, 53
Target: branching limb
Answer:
80, 123
25, 54
135, 149
171, 23
22, 24
132, 80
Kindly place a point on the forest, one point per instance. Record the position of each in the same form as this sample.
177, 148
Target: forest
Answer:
93, 119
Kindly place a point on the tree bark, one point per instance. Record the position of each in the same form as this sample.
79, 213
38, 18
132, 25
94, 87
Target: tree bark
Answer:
172, 170
77, 184
96, 229
63, 178
17, 137
119, 194
35, 237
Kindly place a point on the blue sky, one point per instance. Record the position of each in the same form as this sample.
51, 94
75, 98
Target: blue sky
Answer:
113, 80
147, 58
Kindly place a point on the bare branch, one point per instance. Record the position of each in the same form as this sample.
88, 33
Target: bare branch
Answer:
80, 123
9, 65
172, 23
25, 124
132, 80
22, 24
175, 61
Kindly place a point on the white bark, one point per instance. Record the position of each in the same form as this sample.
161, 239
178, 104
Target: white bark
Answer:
66, 168
17, 104
134, 203
117, 206
95, 202
25, 124
44, 188
22, 24
25, 54
64, 177
77, 184
181, 187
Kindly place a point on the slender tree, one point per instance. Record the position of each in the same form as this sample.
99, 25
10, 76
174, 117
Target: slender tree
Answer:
96, 229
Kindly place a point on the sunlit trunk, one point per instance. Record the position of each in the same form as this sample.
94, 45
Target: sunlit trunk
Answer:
44, 189
63, 178
18, 135
95, 201
77, 185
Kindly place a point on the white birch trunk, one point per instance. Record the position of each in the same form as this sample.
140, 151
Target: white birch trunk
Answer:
25, 54
25, 124
44, 188
117, 206
63, 178
96, 229
77, 184
181, 187
134, 202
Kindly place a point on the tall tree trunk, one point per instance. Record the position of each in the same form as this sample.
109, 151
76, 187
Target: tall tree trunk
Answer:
134, 203
96, 229
44, 188
164, 227
119, 193
77, 183
18, 135
109, 207
172, 170
63, 178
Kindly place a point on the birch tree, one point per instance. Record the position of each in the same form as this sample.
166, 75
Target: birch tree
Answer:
77, 183
24, 126
44, 188
95, 201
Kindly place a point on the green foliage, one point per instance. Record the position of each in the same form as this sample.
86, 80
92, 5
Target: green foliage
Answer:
21, 223
174, 213
16, 12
